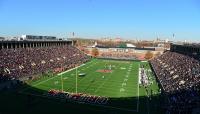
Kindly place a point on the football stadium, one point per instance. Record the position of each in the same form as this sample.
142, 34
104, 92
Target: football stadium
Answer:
99, 57
57, 77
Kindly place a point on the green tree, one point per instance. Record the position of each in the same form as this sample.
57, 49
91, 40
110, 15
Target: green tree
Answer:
95, 52
148, 55
157, 54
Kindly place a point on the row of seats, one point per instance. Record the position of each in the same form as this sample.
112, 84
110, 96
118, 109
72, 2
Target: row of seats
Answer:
179, 76
24, 62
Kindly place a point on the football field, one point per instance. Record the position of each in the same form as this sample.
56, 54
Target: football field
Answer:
115, 79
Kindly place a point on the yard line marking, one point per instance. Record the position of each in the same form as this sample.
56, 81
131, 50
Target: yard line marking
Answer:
58, 75
102, 84
52, 77
106, 81
90, 62
71, 88
138, 88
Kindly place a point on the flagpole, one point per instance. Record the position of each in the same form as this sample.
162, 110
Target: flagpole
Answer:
76, 80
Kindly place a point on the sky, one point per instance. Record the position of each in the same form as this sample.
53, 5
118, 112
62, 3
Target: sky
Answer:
128, 19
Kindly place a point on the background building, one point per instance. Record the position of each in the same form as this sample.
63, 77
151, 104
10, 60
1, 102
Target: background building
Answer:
35, 37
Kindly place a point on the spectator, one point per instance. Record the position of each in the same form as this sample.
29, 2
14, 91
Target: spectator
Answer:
179, 76
25, 62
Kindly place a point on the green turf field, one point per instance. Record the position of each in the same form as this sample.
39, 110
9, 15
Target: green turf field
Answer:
120, 85
121, 82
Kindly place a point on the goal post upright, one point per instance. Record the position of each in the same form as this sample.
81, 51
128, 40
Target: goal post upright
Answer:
62, 82
76, 80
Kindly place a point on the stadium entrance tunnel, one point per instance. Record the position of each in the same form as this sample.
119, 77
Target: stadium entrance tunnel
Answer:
19, 102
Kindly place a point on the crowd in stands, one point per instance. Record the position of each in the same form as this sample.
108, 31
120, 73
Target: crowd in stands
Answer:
77, 97
179, 76
24, 62
118, 55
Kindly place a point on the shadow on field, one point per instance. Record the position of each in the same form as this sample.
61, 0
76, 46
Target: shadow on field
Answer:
13, 102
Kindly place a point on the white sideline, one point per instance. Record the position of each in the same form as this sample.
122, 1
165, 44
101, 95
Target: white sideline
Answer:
70, 70
97, 90
137, 110
54, 76
138, 101
58, 75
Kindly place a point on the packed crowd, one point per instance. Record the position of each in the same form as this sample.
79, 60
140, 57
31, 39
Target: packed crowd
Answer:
118, 55
24, 62
77, 97
179, 76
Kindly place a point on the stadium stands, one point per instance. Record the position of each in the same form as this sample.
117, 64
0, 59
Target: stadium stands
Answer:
25, 62
119, 55
77, 97
179, 76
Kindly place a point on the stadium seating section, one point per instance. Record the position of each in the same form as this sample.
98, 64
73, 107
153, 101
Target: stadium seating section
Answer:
25, 62
179, 76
